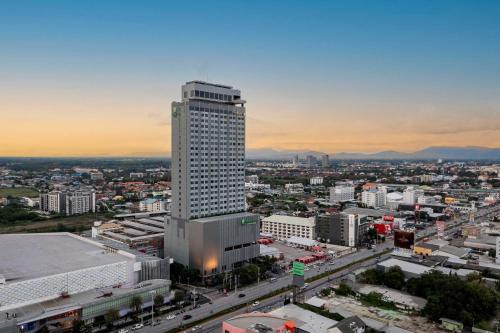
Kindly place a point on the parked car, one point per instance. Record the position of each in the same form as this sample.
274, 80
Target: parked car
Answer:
186, 317
241, 295
170, 317
137, 327
255, 303
123, 330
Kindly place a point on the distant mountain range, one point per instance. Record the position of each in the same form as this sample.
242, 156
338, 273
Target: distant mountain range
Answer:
445, 153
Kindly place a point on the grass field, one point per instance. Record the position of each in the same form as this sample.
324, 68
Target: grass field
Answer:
18, 192
71, 224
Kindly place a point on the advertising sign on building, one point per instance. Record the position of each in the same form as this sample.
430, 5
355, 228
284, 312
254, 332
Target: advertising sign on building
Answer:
298, 268
440, 226
404, 239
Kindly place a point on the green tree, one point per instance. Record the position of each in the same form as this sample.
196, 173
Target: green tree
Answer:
343, 290
449, 296
79, 326
247, 274
158, 300
111, 316
136, 303
372, 276
326, 292
394, 278
179, 296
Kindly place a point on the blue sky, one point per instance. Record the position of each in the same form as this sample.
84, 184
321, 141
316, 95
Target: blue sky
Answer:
342, 67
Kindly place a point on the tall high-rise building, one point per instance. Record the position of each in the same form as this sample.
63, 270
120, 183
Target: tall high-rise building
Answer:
311, 161
68, 202
295, 161
341, 193
209, 228
374, 198
325, 161
411, 195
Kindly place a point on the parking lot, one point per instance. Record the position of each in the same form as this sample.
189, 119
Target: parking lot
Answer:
290, 253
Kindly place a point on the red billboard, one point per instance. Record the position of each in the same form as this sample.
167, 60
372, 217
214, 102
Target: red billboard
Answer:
382, 228
388, 218
404, 239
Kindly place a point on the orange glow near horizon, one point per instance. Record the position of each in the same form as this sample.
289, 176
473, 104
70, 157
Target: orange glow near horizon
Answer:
58, 128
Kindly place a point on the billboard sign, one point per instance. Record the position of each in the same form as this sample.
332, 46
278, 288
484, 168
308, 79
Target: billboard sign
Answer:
247, 221
404, 239
298, 268
388, 218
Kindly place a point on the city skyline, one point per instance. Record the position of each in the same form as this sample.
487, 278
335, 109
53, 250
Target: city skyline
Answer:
97, 79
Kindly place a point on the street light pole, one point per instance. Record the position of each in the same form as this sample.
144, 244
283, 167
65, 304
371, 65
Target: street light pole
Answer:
152, 292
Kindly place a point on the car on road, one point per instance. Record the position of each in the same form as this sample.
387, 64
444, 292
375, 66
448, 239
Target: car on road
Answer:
137, 327
241, 295
256, 303
123, 330
186, 317
170, 317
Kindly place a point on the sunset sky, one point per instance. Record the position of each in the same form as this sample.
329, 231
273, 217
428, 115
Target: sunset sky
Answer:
96, 78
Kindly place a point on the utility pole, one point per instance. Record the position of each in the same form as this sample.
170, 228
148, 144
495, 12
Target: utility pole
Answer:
258, 275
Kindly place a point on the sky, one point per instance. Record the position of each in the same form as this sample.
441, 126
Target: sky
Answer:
96, 78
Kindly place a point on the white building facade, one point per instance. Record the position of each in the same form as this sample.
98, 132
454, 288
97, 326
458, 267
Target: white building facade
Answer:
283, 227
411, 195
316, 180
152, 205
209, 228
341, 193
374, 198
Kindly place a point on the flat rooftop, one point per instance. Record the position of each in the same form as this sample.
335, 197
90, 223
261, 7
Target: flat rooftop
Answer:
30, 256
240, 215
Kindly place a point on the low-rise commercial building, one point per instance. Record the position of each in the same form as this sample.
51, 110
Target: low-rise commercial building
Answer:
143, 234
152, 205
283, 226
62, 267
258, 322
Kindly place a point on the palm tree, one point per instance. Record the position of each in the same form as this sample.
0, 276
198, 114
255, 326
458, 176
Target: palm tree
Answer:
136, 303
111, 316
